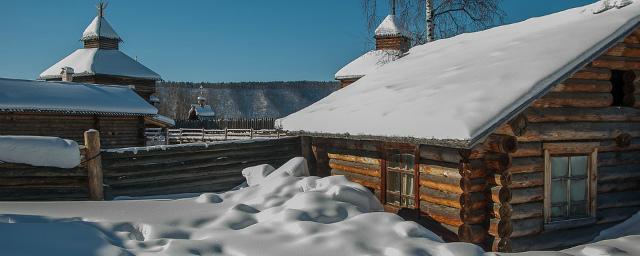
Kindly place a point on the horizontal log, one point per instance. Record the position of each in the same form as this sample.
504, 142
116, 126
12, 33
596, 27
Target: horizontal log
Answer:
527, 165
500, 227
624, 50
441, 154
619, 173
503, 179
363, 157
201, 173
526, 195
500, 194
525, 227
359, 145
610, 114
613, 145
49, 182
525, 180
557, 239
500, 210
583, 85
593, 73
195, 186
619, 199
631, 101
469, 201
473, 169
367, 181
452, 216
44, 194
452, 184
497, 162
472, 233
358, 168
527, 210
616, 214
616, 63
7, 171
437, 170
527, 149
575, 99
618, 185
501, 143
619, 158
578, 131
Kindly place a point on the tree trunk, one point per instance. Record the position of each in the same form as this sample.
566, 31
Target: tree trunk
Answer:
429, 19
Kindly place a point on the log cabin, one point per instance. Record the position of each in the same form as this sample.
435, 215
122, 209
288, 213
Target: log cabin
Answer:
392, 42
66, 110
101, 61
521, 137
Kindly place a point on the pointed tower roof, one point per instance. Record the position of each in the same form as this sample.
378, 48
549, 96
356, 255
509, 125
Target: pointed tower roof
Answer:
99, 27
391, 27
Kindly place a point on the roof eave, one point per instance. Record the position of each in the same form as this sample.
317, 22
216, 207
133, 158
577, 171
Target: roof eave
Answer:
452, 143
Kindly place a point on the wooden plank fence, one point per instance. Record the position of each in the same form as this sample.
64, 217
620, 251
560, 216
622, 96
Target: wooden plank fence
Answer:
229, 123
157, 170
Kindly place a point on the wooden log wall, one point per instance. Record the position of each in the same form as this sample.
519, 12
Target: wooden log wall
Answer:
392, 42
577, 110
144, 87
21, 182
189, 168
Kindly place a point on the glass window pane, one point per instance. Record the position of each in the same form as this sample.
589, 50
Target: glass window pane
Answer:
393, 182
407, 184
559, 191
578, 210
579, 165
559, 166
393, 199
579, 190
558, 212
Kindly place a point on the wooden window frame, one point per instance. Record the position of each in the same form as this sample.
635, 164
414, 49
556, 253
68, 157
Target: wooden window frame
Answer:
404, 149
588, 149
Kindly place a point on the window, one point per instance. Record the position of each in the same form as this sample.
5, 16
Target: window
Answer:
622, 87
570, 184
400, 179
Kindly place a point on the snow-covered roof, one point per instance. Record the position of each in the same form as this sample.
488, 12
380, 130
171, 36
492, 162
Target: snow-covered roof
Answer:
367, 63
391, 27
39, 151
95, 61
163, 119
205, 110
40, 96
99, 27
458, 90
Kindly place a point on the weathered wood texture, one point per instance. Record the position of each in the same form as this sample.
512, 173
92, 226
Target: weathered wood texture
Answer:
190, 168
144, 87
115, 131
576, 112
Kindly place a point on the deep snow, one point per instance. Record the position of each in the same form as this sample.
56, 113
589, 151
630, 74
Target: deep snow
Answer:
39, 151
279, 212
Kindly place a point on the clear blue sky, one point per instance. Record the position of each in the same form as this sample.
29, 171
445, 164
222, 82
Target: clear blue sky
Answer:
204, 40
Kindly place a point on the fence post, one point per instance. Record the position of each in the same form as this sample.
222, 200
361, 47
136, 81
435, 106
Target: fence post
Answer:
225, 133
203, 134
94, 165
251, 133
166, 136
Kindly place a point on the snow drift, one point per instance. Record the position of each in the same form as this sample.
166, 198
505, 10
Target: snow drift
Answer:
280, 212
39, 151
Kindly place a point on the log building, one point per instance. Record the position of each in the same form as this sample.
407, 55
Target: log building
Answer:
392, 42
66, 110
101, 61
522, 137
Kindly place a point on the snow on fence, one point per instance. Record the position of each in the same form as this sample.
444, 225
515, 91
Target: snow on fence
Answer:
189, 168
179, 136
156, 170
230, 123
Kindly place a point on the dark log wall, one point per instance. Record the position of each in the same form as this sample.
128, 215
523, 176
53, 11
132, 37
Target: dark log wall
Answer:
578, 110
392, 42
347, 81
20, 182
115, 131
144, 87
189, 168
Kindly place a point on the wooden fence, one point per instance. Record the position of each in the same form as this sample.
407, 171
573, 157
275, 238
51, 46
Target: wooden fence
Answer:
156, 136
158, 170
229, 123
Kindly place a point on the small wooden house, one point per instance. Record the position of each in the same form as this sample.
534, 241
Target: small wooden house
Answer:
521, 137
66, 110
392, 42
101, 61
201, 110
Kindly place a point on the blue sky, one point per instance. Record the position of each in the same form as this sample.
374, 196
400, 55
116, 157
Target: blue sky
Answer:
205, 40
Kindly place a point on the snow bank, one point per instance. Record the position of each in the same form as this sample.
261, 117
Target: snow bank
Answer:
626, 228
279, 213
39, 151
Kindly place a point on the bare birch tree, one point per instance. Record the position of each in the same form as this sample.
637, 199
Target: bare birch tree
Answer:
428, 20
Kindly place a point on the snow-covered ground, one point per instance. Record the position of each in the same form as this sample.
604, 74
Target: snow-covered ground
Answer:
277, 212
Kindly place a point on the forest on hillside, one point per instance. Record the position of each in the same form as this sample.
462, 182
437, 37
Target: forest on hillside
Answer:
242, 99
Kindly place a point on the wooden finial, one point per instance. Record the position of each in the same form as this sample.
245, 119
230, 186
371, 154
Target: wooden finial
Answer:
393, 7
101, 7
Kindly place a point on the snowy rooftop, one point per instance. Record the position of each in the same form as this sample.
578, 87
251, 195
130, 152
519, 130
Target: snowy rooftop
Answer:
367, 63
39, 96
205, 110
456, 91
96, 61
164, 119
391, 27
99, 27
